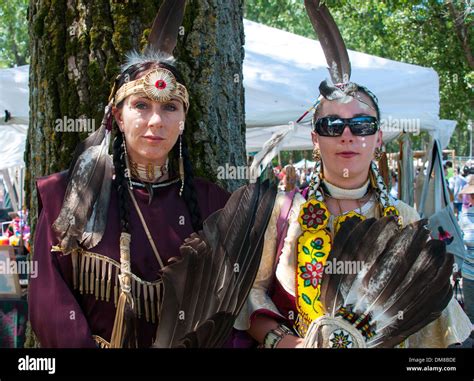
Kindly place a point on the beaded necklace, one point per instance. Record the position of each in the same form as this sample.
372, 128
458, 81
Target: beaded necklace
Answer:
315, 243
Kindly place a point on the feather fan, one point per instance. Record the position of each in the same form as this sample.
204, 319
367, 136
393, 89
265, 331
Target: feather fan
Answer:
206, 288
403, 285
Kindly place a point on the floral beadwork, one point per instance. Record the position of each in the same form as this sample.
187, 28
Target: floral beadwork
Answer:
314, 215
392, 211
312, 273
313, 249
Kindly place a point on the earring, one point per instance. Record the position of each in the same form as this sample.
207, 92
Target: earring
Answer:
316, 154
127, 163
181, 164
378, 153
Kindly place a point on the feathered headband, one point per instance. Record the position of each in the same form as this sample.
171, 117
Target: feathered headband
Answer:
83, 215
339, 86
159, 85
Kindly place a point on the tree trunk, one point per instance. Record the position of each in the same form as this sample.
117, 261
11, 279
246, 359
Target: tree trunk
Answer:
77, 47
210, 59
462, 27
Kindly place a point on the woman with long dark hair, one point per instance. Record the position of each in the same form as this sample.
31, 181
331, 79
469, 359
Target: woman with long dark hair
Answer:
100, 251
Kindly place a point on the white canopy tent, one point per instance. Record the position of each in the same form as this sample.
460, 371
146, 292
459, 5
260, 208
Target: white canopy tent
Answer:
14, 98
13, 138
14, 93
304, 164
282, 72
281, 75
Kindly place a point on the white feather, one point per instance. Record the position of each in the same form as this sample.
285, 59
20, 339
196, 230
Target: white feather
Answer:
270, 150
133, 57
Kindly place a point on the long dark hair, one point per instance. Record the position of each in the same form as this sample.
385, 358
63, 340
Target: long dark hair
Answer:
120, 182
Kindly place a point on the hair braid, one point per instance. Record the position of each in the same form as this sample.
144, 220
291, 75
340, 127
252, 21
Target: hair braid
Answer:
121, 182
189, 191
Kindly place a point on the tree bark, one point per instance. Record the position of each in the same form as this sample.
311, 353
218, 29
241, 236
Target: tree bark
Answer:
462, 28
77, 47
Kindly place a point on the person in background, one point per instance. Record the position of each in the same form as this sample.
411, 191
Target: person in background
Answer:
280, 175
303, 182
309, 174
466, 222
445, 169
289, 180
394, 187
450, 170
456, 184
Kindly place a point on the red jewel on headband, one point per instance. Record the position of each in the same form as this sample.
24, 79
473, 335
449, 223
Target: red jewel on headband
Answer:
160, 84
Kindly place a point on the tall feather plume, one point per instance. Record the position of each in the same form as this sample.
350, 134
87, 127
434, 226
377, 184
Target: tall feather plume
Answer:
208, 286
164, 32
95, 227
342, 285
83, 213
417, 308
404, 283
341, 252
93, 139
82, 193
269, 151
331, 41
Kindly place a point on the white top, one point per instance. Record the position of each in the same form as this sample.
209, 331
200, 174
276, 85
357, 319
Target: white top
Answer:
453, 326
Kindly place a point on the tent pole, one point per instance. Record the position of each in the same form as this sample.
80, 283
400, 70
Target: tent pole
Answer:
400, 165
22, 214
11, 191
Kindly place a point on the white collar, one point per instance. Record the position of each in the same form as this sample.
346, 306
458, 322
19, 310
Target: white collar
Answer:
346, 194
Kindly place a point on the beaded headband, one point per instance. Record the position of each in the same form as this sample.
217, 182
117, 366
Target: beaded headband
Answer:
158, 85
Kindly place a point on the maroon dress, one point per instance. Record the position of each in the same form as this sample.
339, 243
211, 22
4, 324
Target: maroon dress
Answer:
72, 300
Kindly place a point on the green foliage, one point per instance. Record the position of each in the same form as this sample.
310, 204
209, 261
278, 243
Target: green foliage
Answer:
420, 32
289, 15
13, 33
287, 157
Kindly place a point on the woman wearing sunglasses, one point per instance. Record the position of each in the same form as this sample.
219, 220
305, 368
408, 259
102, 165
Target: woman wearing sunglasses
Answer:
346, 185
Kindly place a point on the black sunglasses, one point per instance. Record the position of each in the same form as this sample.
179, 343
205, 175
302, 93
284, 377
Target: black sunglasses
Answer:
334, 126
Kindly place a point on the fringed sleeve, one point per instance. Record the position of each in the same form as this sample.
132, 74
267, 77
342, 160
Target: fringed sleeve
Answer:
55, 315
